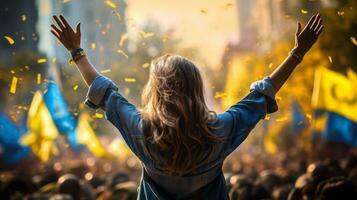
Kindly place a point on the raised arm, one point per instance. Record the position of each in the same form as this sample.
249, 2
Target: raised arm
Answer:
304, 40
72, 41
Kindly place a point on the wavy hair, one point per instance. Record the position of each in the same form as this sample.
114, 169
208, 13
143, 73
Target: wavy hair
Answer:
175, 117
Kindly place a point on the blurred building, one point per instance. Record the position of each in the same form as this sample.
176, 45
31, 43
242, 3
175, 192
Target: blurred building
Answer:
102, 27
18, 20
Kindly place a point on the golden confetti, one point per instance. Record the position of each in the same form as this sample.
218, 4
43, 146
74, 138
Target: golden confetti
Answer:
282, 119
10, 40
54, 60
203, 11
105, 71
146, 35
270, 65
93, 45
122, 53
130, 80
146, 65
75, 87
267, 117
330, 59
123, 38
98, 115
66, 1
111, 4
38, 79
12, 71
220, 95
354, 40
117, 14
340, 13
304, 11
42, 60
23, 18
308, 116
13, 85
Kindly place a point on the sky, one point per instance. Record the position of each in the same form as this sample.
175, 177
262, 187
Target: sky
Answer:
207, 25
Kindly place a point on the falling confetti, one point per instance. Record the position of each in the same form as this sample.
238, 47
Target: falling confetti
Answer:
220, 95
340, 13
66, 1
203, 11
330, 59
10, 40
42, 60
354, 40
308, 116
111, 4
13, 85
75, 87
123, 38
270, 65
93, 45
146, 35
38, 80
282, 119
23, 18
122, 53
105, 71
130, 80
304, 11
98, 115
117, 14
146, 65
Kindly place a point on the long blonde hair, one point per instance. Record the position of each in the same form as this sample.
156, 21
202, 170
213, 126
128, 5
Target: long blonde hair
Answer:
175, 117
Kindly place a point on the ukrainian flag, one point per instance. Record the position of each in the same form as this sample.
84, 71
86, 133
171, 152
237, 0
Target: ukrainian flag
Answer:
335, 103
41, 129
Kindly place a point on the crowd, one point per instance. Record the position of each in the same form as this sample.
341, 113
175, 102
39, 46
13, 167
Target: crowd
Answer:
251, 175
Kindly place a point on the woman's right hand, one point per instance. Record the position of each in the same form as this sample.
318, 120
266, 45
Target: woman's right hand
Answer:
65, 34
306, 38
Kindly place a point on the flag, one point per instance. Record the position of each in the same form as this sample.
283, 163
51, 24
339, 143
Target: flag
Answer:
86, 136
298, 118
12, 150
60, 113
335, 93
119, 149
41, 129
335, 103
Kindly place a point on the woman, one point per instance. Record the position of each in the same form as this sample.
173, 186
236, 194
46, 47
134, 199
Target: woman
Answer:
180, 142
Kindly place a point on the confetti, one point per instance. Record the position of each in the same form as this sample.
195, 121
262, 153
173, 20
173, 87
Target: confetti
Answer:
146, 65
23, 18
10, 40
54, 60
93, 45
130, 80
123, 38
146, 35
220, 95
304, 11
13, 85
308, 116
122, 53
38, 79
111, 4
267, 117
330, 59
282, 119
117, 14
270, 65
66, 1
42, 60
203, 11
75, 87
12, 71
98, 115
354, 40
340, 13
105, 71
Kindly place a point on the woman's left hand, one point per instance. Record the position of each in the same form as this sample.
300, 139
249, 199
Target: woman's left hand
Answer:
65, 34
306, 38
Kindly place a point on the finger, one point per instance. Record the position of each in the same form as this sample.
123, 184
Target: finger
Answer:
78, 29
64, 21
298, 29
59, 23
56, 29
318, 25
319, 31
313, 25
311, 21
55, 34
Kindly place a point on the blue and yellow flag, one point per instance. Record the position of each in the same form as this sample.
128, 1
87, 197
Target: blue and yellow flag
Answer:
60, 113
86, 136
41, 130
335, 93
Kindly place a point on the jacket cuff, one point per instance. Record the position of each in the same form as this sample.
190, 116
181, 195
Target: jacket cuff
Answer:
266, 88
97, 90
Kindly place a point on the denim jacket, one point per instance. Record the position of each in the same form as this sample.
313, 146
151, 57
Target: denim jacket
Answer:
235, 123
